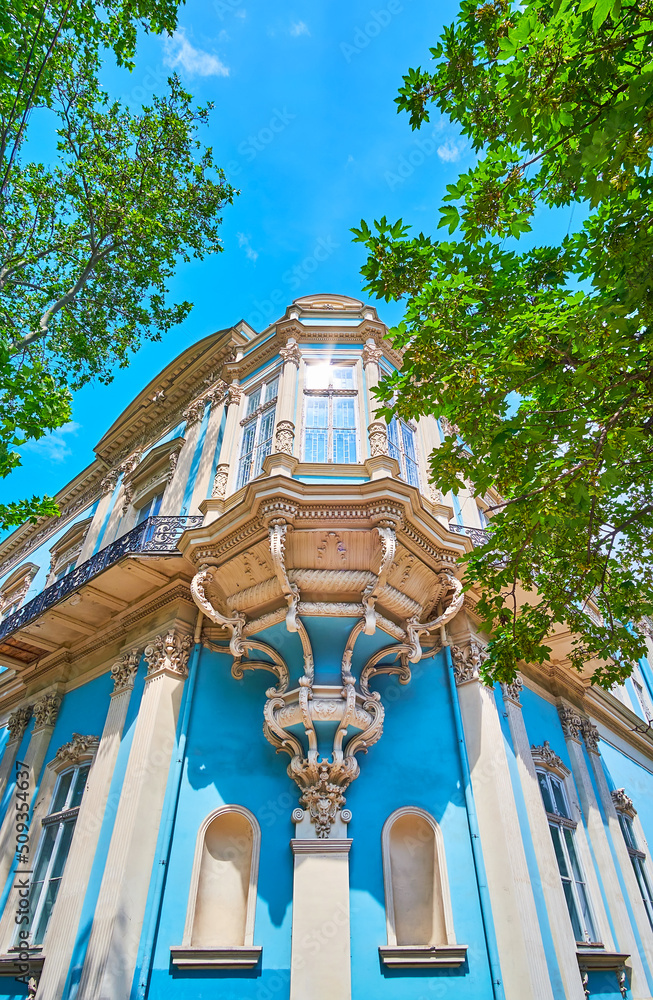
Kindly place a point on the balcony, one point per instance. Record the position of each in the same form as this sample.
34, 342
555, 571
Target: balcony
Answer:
157, 536
477, 536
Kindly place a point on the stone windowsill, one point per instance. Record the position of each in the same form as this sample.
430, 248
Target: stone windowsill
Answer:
230, 957
590, 959
420, 956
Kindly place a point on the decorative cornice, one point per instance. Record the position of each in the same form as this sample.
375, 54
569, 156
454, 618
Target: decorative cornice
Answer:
512, 692
623, 803
467, 661
81, 748
590, 735
571, 723
124, 671
544, 756
45, 711
18, 722
168, 652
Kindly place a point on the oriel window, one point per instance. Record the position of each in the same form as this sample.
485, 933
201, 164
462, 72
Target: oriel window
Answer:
258, 430
330, 429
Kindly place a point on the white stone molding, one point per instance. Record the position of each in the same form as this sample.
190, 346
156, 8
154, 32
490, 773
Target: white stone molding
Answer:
79, 750
291, 353
544, 756
234, 394
467, 661
46, 710
446, 581
284, 437
513, 691
440, 948
591, 736
168, 653
219, 490
110, 481
17, 584
123, 672
377, 433
371, 354
197, 951
571, 723
18, 722
623, 803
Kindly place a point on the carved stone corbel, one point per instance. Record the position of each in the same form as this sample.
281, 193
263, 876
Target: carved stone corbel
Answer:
277, 531
414, 628
235, 624
370, 595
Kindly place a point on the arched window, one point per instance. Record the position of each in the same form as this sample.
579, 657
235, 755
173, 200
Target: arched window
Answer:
418, 906
219, 927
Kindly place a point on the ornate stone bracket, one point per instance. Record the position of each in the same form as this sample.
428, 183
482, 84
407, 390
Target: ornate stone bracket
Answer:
414, 628
235, 624
168, 652
377, 432
370, 595
512, 692
278, 529
623, 803
79, 749
467, 662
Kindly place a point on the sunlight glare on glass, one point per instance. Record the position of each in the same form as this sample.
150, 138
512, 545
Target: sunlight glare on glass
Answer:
319, 376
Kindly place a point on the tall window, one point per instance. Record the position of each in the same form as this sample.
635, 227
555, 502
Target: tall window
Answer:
638, 859
258, 428
330, 414
150, 509
401, 445
563, 834
643, 698
58, 829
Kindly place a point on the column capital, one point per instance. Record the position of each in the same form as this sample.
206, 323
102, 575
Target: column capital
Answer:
467, 661
18, 722
123, 672
291, 353
512, 691
168, 653
590, 735
46, 710
571, 723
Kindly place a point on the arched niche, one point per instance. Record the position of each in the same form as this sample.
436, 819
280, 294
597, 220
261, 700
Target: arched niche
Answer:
419, 919
219, 929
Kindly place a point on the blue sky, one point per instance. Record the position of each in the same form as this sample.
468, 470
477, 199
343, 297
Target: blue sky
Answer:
306, 127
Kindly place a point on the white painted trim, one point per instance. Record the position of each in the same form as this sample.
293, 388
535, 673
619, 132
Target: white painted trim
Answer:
253, 872
441, 887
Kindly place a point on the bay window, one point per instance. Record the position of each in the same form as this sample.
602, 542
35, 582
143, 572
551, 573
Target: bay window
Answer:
401, 445
258, 430
330, 427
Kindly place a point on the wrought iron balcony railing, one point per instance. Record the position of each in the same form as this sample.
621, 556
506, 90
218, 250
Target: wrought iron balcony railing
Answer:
156, 535
478, 536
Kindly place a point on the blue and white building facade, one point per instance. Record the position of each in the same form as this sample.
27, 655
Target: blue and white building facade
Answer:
247, 753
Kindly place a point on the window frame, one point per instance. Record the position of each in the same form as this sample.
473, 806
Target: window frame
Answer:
257, 417
559, 819
398, 451
637, 859
64, 817
331, 392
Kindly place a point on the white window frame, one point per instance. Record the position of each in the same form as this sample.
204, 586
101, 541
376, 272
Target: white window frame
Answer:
258, 415
64, 816
398, 451
638, 861
560, 820
330, 392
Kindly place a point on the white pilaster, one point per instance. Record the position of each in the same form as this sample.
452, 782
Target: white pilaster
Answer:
203, 485
113, 943
559, 921
16, 724
226, 472
519, 941
60, 939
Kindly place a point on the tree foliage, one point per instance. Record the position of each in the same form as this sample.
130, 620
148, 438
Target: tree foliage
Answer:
542, 357
89, 242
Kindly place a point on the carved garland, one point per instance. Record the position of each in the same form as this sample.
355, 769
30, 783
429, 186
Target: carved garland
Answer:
79, 749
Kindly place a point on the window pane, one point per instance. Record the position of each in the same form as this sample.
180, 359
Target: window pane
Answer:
318, 376
272, 389
342, 377
317, 412
254, 400
393, 440
50, 898
247, 451
573, 857
344, 445
573, 911
559, 797
316, 446
559, 851
62, 849
627, 830
264, 446
62, 792
546, 792
343, 413
78, 789
47, 843
586, 914
408, 435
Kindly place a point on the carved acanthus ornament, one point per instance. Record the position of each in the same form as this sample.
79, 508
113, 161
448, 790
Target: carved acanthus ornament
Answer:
378, 434
623, 803
18, 722
278, 529
124, 671
571, 723
110, 481
168, 652
546, 757
291, 353
513, 690
284, 437
81, 748
467, 662
590, 735
371, 354
220, 481
445, 581
234, 394
388, 536
45, 711
126, 469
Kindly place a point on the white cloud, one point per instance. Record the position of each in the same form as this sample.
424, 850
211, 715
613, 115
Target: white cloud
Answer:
449, 152
298, 28
179, 52
250, 252
240, 13
54, 447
